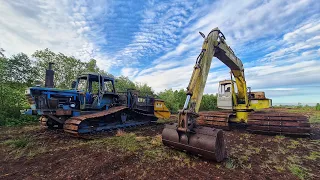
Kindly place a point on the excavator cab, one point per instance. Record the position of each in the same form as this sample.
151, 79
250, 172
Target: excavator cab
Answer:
224, 98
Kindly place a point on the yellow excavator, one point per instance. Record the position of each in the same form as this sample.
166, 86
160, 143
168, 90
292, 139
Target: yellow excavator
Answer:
247, 113
196, 132
241, 108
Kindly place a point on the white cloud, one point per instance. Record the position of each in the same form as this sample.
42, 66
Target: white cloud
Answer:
252, 27
27, 26
174, 78
129, 72
157, 31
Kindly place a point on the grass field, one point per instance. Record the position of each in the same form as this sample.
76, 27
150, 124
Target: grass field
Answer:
29, 152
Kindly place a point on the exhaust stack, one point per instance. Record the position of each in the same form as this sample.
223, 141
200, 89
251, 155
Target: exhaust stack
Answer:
49, 77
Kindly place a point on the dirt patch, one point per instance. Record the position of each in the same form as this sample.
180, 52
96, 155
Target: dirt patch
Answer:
32, 153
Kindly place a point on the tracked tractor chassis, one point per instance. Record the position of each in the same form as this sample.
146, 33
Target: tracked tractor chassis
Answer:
120, 117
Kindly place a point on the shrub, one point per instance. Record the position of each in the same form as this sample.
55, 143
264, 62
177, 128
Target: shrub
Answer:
318, 107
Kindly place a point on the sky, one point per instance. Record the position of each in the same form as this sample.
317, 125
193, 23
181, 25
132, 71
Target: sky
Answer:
157, 42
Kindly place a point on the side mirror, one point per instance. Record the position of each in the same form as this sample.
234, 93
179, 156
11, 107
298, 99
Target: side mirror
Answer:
73, 84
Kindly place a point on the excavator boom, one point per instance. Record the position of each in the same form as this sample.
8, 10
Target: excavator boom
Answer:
186, 135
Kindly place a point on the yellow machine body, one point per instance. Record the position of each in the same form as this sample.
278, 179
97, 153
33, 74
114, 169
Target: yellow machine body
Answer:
160, 109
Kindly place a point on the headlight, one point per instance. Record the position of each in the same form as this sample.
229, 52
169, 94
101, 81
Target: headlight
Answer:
27, 91
72, 105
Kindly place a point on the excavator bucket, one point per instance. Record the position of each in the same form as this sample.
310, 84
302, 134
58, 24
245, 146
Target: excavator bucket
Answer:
204, 141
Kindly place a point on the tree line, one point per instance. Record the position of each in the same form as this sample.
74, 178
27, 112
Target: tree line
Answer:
20, 71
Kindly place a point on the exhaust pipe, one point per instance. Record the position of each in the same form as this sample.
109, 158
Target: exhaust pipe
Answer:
49, 76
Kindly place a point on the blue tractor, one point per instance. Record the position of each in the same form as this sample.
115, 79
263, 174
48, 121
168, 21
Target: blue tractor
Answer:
91, 105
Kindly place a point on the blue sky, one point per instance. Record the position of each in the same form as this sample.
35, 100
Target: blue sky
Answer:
157, 42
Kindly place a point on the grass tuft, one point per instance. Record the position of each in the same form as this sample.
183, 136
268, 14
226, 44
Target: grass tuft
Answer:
294, 144
18, 143
294, 159
230, 164
315, 118
279, 168
314, 155
298, 171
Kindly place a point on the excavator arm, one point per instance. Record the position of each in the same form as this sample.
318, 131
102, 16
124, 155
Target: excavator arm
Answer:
214, 45
185, 135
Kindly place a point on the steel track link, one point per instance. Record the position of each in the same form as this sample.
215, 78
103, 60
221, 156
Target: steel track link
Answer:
71, 125
278, 123
217, 119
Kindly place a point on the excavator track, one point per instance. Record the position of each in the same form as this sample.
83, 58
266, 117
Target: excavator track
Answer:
278, 123
262, 122
217, 119
83, 124
47, 123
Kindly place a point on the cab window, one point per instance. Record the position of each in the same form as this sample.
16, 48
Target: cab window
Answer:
82, 84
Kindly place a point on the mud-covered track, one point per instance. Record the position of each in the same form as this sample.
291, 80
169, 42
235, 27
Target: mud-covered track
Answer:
72, 125
278, 123
262, 122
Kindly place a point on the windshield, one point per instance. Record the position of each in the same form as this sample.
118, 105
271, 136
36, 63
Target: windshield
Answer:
82, 84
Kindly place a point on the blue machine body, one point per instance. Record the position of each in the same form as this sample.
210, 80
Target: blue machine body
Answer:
90, 92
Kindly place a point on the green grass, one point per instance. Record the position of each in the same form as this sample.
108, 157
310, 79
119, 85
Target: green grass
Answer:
279, 168
294, 144
294, 159
127, 141
298, 171
165, 121
17, 122
314, 155
230, 163
311, 111
155, 154
315, 118
18, 143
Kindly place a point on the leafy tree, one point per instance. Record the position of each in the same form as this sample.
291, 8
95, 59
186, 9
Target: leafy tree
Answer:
170, 100
3, 65
318, 107
1, 52
15, 75
67, 68
92, 66
123, 83
144, 89
176, 99
208, 103
20, 69
180, 97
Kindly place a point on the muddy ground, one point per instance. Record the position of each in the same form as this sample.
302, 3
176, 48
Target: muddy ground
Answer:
33, 153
